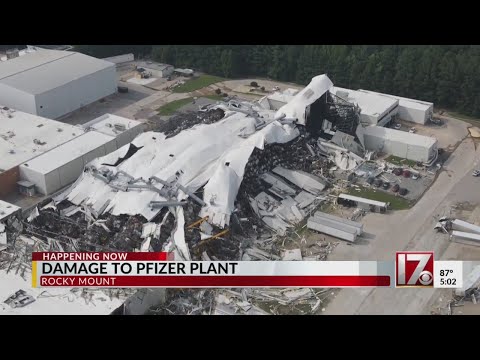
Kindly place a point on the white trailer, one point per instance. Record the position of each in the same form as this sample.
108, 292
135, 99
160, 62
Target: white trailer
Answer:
356, 225
465, 225
322, 225
466, 235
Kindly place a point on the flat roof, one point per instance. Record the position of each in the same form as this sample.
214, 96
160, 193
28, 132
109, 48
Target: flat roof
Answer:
18, 131
106, 124
67, 152
369, 103
152, 65
7, 209
362, 200
400, 136
42, 70
405, 102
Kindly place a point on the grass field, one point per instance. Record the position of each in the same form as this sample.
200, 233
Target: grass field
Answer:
197, 83
400, 161
171, 107
396, 202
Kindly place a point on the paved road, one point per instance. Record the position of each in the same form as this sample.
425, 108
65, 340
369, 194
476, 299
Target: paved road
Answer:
411, 230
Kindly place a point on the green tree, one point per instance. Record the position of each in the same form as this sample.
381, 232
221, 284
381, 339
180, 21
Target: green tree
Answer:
227, 63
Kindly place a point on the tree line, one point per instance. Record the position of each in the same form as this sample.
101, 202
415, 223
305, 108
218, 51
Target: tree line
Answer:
448, 75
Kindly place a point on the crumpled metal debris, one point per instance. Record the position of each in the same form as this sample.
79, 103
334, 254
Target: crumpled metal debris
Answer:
19, 299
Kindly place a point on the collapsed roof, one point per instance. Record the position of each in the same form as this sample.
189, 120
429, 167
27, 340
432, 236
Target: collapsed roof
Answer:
158, 172
164, 169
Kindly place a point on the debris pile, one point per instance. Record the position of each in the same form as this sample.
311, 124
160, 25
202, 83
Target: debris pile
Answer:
244, 302
178, 123
76, 230
187, 302
271, 301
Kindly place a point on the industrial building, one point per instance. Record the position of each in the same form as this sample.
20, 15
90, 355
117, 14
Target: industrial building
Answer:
399, 143
52, 154
123, 129
24, 136
375, 109
52, 83
416, 111
156, 70
61, 166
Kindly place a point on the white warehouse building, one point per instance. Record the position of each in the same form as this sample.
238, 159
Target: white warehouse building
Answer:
416, 111
156, 69
52, 83
402, 144
61, 166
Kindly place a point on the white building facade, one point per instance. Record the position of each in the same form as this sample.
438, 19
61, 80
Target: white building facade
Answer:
416, 111
399, 143
53, 83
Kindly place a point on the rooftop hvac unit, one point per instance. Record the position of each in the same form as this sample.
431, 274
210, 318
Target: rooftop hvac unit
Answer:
120, 127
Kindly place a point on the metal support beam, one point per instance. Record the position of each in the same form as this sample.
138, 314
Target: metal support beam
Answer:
160, 204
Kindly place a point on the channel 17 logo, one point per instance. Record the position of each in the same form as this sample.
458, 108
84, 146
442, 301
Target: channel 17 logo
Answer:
414, 269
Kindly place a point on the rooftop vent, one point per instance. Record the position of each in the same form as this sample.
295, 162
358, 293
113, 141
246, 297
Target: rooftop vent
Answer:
120, 127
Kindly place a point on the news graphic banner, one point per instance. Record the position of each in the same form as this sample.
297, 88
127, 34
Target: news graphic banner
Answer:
149, 270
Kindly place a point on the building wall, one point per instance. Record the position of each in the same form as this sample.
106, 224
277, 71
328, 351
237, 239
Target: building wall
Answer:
66, 174
17, 99
34, 177
414, 115
160, 73
51, 182
77, 93
8, 181
397, 148
69, 172
119, 59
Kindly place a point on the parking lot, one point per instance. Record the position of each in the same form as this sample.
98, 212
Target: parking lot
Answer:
111, 104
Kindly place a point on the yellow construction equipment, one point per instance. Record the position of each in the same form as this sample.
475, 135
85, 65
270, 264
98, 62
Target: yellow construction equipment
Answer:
198, 222
204, 241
